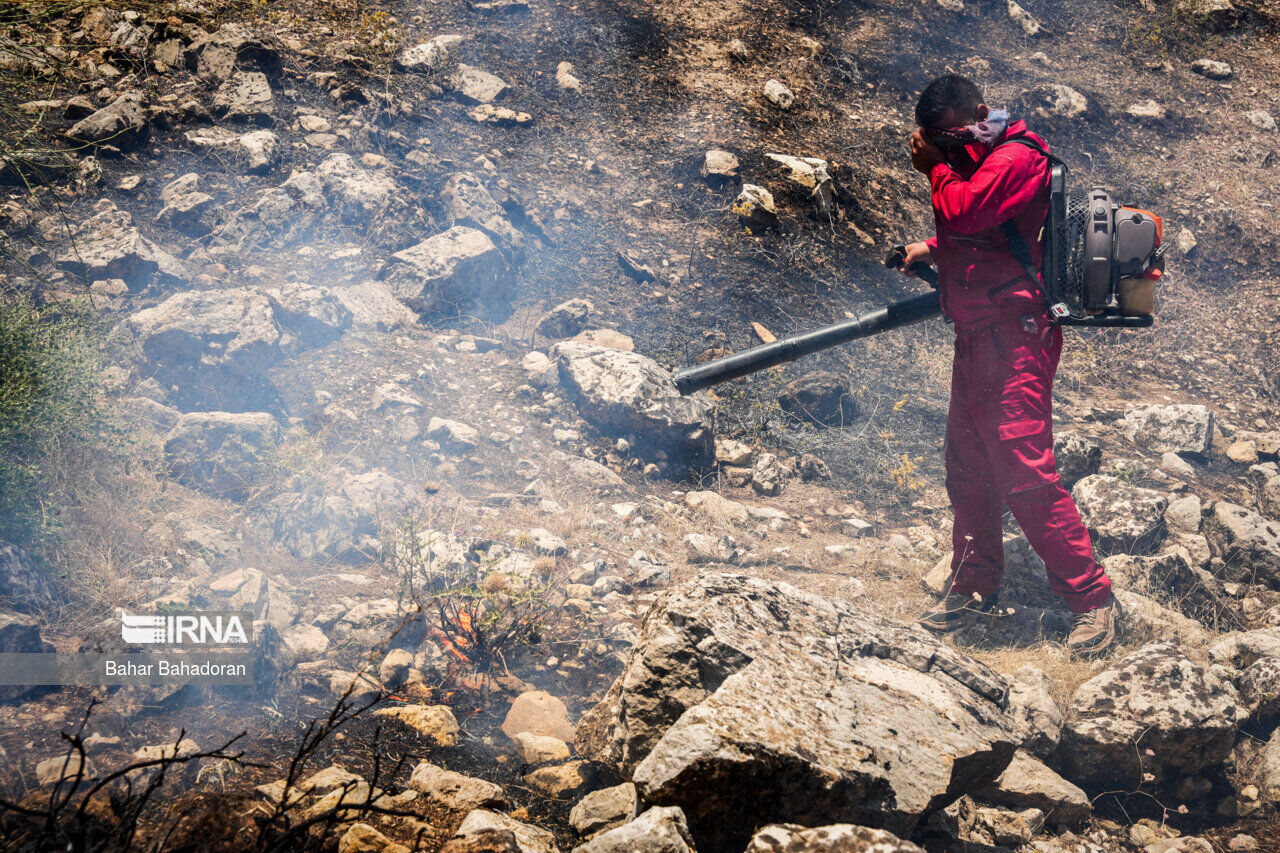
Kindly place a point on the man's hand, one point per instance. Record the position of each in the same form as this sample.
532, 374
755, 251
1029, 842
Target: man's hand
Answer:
924, 154
916, 253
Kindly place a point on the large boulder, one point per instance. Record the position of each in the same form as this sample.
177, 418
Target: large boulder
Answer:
220, 452
459, 272
1122, 518
746, 702
108, 246
1181, 428
1153, 718
230, 330
122, 123
628, 394
1247, 543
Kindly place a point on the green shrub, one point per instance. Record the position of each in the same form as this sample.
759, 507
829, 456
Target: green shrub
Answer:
49, 410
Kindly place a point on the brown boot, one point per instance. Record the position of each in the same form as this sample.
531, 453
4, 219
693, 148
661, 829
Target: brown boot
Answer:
1097, 630
956, 612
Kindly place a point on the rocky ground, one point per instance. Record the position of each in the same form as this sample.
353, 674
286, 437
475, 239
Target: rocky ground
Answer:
391, 294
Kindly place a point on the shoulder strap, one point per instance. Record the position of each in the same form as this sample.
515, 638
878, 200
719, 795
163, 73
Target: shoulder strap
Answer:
1017, 245
1034, 146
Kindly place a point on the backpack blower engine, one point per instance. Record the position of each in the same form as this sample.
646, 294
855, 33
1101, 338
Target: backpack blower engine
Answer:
1101, 263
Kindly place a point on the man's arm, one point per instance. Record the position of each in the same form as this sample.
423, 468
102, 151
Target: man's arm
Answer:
1003, 186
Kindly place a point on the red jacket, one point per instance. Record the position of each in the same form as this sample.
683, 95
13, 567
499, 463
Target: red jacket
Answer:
970, 200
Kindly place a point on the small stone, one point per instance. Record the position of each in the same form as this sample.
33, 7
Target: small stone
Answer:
1213, 69
566, 80
720, 167
539, 713
539, 749
1262, 120
1147, 111
362, 838
436, 723
755, 207
779, 95
1020, 16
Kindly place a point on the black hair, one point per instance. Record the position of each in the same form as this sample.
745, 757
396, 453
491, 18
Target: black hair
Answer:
948, 92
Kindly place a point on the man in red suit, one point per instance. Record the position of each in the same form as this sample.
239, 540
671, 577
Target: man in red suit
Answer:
999, 444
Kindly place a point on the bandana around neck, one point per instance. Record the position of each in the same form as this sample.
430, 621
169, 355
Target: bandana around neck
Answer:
987, 132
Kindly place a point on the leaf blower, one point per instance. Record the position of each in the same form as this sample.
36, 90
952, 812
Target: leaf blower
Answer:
1101, 263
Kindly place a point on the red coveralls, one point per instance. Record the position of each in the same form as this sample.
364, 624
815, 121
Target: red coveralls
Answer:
999, 445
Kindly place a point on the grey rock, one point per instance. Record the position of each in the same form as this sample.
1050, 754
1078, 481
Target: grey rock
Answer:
19, 634
821, 397
566, 319
625, 393
1182, 428
755, 207
1175, 579
767, 474
1183, 515
122, 123
314, 315
1158, 711
1211, 14
1077, 457
869, 719
373, 306
454, 790
24, 586
720, 167
661, 829
318, 527
1054, 100
257, 149
475, 86
604, 809
460, 270
1247, 544
836, 838
109, 246
1028, 783
216, 56
779, 94
232, 330
246, 96
186, 208
1031, 704
428, 56
1213, 69
528, 838
466, 201
1121, 518
220, 452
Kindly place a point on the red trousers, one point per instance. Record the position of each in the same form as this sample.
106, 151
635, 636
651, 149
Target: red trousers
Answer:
999, 452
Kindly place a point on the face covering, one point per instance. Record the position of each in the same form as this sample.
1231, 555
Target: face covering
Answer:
987, 132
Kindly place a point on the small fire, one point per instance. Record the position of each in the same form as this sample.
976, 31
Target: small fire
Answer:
463, 638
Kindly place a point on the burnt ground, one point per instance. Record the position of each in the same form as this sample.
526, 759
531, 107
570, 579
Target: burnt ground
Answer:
616, 167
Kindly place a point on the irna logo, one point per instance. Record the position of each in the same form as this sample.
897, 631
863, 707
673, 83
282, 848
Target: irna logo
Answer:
202, 628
